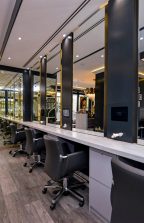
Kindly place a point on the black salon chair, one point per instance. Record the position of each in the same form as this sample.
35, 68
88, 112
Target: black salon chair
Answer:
17, 137
127, 193
60, 165
34, 147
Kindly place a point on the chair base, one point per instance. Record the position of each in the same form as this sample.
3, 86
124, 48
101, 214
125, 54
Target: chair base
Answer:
34, 164
17, 151
64, 189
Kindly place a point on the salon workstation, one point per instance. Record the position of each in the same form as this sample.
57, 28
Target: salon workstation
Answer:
71, 111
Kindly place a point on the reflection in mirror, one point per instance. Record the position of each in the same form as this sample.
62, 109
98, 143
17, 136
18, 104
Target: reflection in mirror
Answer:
141, 76
36, 96
88, 76
53, 86
51, 98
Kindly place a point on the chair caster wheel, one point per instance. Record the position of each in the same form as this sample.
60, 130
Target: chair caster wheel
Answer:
81, 203
10, 152
44, 190
13, 155
52, 206
30, 170
25, 164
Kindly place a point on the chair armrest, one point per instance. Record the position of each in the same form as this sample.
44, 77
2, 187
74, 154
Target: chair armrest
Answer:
76, 161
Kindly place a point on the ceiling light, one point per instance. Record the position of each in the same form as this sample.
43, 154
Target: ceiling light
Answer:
97, 69
141, 38
19, 38
57, 68
77, 56
9, 58
41, 56
141, 73
102, 56
64, 35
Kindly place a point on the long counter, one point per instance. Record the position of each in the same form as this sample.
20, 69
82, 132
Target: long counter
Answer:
129, 150
101, 151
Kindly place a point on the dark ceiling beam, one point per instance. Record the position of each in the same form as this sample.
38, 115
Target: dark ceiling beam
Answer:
11, 69
10, 26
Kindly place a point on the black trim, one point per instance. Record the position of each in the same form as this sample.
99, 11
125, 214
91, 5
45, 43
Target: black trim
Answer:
53, 56
54, 48
89, 55
58, 30
89, 17
10, 26
89, 29
96, 51
142, 28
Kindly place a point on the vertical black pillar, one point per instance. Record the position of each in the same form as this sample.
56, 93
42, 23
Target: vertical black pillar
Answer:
67, 81
27, 95
6, 102
43, 76
121, 73
99, 100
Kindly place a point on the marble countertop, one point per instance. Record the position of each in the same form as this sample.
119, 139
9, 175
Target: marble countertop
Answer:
96, 141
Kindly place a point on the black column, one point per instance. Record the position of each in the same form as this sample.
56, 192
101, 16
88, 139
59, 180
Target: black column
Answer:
121, 74
43, 76
99, 100
27, 95
6, 102
67, 82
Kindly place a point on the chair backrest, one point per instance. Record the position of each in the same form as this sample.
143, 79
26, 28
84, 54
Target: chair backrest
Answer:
53, 162
127, 194
29, 140
13, 129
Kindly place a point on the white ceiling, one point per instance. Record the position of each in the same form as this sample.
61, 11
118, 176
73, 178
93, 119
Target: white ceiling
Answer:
39, 19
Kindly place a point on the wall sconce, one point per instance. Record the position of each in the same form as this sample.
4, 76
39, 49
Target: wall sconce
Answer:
142, 56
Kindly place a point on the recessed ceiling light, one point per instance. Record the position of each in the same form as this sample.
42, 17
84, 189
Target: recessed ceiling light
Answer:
77, 56
57, 68
64, 35
41, 56
19, 38
9, 58
141, 38
102, 56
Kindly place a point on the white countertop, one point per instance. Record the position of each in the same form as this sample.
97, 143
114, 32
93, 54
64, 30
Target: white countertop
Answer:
129, 150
